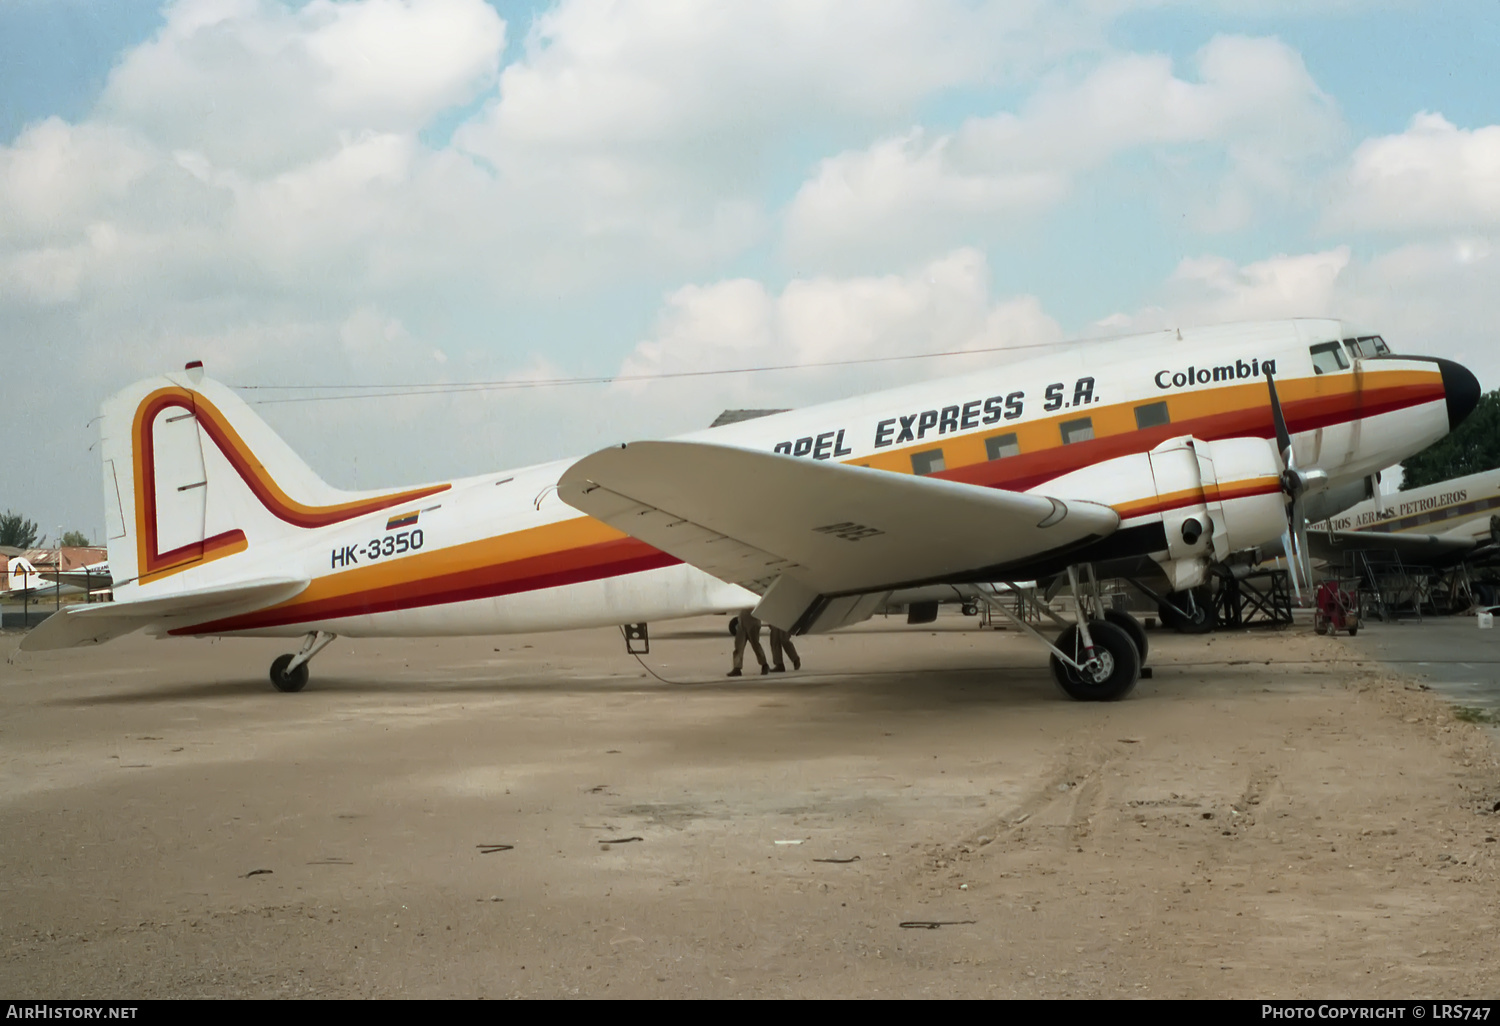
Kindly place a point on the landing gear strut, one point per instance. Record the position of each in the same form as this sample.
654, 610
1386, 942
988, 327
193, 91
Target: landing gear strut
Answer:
1096, 659
289, 672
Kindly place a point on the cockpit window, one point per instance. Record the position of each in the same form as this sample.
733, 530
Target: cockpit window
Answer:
1328, 357
1366, 346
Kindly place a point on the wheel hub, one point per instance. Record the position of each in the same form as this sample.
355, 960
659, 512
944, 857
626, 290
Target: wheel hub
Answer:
1101, 667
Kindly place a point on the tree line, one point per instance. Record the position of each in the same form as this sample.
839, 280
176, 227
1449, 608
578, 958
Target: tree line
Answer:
18, 532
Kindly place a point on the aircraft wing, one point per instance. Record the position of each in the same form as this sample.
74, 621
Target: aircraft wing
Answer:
94, 624
1417, 549
801, 532
98, 574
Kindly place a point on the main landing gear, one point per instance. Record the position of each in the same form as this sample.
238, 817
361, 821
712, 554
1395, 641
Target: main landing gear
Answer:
1097, 659
289, 672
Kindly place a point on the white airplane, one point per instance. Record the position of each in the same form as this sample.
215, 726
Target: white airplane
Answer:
1442, 524
1171, 450
22, 578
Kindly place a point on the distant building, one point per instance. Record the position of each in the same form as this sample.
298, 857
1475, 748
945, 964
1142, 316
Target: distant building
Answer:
67, 558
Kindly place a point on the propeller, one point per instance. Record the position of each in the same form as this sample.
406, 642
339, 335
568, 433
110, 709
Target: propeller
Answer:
1295, 485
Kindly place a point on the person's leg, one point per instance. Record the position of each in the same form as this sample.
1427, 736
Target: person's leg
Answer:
760, 653
739, 649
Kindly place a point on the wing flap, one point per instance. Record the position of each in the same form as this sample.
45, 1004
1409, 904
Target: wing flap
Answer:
750, 517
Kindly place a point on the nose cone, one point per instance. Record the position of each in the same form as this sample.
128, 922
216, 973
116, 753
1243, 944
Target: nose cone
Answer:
1462, 389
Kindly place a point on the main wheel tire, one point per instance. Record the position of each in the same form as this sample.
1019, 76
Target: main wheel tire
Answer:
734, 626
1120, 670
1200, 619
296, 680
1130, 625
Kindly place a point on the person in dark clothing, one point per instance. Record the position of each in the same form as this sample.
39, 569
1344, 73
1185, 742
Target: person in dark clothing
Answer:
747, 629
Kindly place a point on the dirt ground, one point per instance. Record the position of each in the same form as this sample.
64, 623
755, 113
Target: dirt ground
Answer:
1271, 816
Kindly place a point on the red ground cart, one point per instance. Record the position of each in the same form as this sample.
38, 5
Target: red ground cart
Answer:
1337, 607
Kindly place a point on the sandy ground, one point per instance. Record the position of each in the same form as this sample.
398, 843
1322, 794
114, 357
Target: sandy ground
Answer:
1269, 817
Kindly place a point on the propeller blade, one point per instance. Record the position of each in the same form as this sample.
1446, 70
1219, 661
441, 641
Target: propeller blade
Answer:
1283, 439
1291, 564
1299, 539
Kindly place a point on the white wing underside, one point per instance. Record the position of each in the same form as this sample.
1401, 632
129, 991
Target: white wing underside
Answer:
803, 533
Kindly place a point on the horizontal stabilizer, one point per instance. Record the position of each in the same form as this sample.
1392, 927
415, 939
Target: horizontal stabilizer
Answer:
93, 624
752, 517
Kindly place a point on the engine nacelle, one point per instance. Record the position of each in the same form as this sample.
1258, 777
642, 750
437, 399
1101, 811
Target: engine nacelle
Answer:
1216, 498
1212, 499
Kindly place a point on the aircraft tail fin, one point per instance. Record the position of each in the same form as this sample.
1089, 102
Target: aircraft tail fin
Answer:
193, 477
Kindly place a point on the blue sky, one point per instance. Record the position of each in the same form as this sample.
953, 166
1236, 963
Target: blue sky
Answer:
387, 191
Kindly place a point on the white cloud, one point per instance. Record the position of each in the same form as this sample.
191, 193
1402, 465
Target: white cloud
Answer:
1433, 175
1214, 290
258, 86
1432, 298
1255, 104
943, 306
56, 178
661, 121
717, 78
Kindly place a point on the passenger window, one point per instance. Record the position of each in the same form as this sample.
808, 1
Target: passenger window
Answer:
1000, 446
1374, 345
1356, 351
1080, 430
1328, 358
929, 462
1152, 415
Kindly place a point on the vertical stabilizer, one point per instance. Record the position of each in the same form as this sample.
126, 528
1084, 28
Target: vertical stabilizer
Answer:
193, 477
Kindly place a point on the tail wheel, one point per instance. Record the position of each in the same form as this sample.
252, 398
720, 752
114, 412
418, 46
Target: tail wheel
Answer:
1115, 674
1130, 625
294, 680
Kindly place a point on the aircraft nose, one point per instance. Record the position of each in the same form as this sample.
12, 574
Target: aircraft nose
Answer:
1462, 390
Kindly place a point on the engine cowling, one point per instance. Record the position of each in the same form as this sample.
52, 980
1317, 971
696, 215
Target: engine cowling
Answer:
1215, 499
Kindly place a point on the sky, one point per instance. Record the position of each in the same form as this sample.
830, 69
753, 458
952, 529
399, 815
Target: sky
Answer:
400, 192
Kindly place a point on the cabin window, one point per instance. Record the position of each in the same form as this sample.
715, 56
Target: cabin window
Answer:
1000, 446
1152, 415
1356, 351
928, 462
1328, 357
1080, 430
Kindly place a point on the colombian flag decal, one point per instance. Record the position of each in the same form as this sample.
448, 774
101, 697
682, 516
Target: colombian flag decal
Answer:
401, 520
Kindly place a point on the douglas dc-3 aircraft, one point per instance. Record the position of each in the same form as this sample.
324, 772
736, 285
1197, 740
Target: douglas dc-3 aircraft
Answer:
1453, 521
1173, 450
